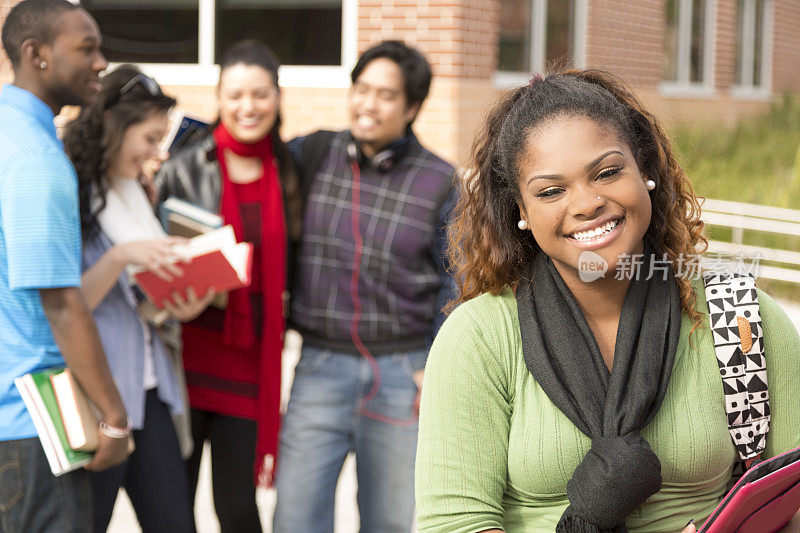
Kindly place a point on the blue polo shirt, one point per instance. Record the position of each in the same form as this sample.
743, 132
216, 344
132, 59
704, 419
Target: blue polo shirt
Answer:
40, 244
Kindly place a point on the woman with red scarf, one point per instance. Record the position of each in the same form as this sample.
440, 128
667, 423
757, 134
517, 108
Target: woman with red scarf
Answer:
232, 356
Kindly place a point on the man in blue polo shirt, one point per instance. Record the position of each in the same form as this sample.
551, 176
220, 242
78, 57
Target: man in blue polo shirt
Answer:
54, 49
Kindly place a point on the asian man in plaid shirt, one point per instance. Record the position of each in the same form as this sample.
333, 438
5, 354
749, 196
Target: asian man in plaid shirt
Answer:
370, 280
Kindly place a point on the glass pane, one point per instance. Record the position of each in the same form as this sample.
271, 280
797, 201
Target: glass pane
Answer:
560, 31
302, 32
515, 36
671, 40
698, 49
739, 41
147, 31
758, 44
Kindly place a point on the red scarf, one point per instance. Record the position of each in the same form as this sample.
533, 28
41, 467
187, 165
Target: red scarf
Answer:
238, 326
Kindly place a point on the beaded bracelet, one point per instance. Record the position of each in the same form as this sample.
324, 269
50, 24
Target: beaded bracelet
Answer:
115, 432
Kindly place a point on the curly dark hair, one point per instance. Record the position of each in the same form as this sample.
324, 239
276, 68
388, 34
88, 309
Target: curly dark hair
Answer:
486, 249
94, 138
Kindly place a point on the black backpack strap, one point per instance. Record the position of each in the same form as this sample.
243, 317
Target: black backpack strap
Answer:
735, 319
314, 148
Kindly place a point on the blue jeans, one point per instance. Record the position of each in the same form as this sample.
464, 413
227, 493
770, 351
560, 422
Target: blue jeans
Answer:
326, 419
33, 500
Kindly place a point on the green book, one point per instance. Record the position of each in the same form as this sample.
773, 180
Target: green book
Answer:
37, 393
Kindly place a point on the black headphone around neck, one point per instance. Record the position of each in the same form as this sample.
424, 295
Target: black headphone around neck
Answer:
382, 161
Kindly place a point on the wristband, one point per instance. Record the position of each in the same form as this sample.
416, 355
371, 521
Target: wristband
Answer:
115, 432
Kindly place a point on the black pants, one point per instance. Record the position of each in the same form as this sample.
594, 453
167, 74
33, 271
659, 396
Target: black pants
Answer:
233, 450
153, 476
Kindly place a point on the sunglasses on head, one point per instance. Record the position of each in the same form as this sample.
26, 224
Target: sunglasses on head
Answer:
148, 83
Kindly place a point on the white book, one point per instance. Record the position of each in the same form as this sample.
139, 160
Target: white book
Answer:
190, 211
77, 413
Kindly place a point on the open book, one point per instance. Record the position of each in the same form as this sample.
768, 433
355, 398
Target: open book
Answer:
211, 260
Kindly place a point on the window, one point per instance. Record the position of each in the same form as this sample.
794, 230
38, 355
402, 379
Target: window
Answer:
560, 32
687, 42
169, 36
751, 32
536, 33
147, 31
300, 32
515, 36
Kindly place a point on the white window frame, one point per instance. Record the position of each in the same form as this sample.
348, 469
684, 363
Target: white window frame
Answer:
506, 79
682, 87
205, 72
747, 90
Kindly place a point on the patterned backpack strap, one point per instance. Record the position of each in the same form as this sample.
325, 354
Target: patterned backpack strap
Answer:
739, 345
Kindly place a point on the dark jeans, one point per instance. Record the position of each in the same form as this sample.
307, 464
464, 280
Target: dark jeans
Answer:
233, 451
153, 476
33, 500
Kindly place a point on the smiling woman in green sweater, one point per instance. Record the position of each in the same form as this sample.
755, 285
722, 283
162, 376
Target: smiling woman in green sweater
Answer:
557, 401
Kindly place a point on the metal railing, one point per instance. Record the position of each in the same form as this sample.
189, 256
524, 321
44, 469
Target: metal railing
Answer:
773, 263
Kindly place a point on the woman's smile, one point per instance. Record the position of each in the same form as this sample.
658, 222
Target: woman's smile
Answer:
602, 232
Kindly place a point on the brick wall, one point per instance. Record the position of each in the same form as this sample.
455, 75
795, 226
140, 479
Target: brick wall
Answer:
460, 39
725, 45
786, 46
723, 109
458, 36
625, 37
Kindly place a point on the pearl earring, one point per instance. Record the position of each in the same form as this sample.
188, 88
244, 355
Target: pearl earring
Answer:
43, 65
522, 224
650, 185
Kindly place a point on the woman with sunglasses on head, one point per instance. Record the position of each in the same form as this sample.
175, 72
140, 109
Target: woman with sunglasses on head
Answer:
232, 357
109, 143
556, 398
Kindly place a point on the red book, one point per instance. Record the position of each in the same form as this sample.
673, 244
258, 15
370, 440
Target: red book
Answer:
212, 260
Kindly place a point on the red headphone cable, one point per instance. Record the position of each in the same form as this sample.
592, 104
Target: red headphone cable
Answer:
356, 274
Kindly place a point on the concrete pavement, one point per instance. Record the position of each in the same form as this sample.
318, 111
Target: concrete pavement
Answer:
124, 520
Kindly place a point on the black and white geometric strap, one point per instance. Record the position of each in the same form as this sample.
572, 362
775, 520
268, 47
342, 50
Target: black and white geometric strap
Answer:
739, 345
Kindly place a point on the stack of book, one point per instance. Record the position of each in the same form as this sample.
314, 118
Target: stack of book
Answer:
64, 419
183, 219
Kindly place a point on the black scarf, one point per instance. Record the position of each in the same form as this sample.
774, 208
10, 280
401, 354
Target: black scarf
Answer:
620, 471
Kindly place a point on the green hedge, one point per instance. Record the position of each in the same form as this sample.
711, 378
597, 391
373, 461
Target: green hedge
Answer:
754, 162
757, 162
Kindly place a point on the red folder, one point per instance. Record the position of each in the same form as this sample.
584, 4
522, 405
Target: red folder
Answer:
210, 270
763, 501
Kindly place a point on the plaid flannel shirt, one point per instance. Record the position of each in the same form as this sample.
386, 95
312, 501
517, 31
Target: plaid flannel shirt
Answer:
403, 280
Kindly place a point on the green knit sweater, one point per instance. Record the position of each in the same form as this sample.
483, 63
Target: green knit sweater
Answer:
494, 452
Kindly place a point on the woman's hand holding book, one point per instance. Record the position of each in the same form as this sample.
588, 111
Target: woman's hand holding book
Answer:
157, 256
189, 308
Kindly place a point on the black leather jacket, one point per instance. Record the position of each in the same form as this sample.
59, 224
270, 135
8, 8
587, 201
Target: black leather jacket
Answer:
193, 175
